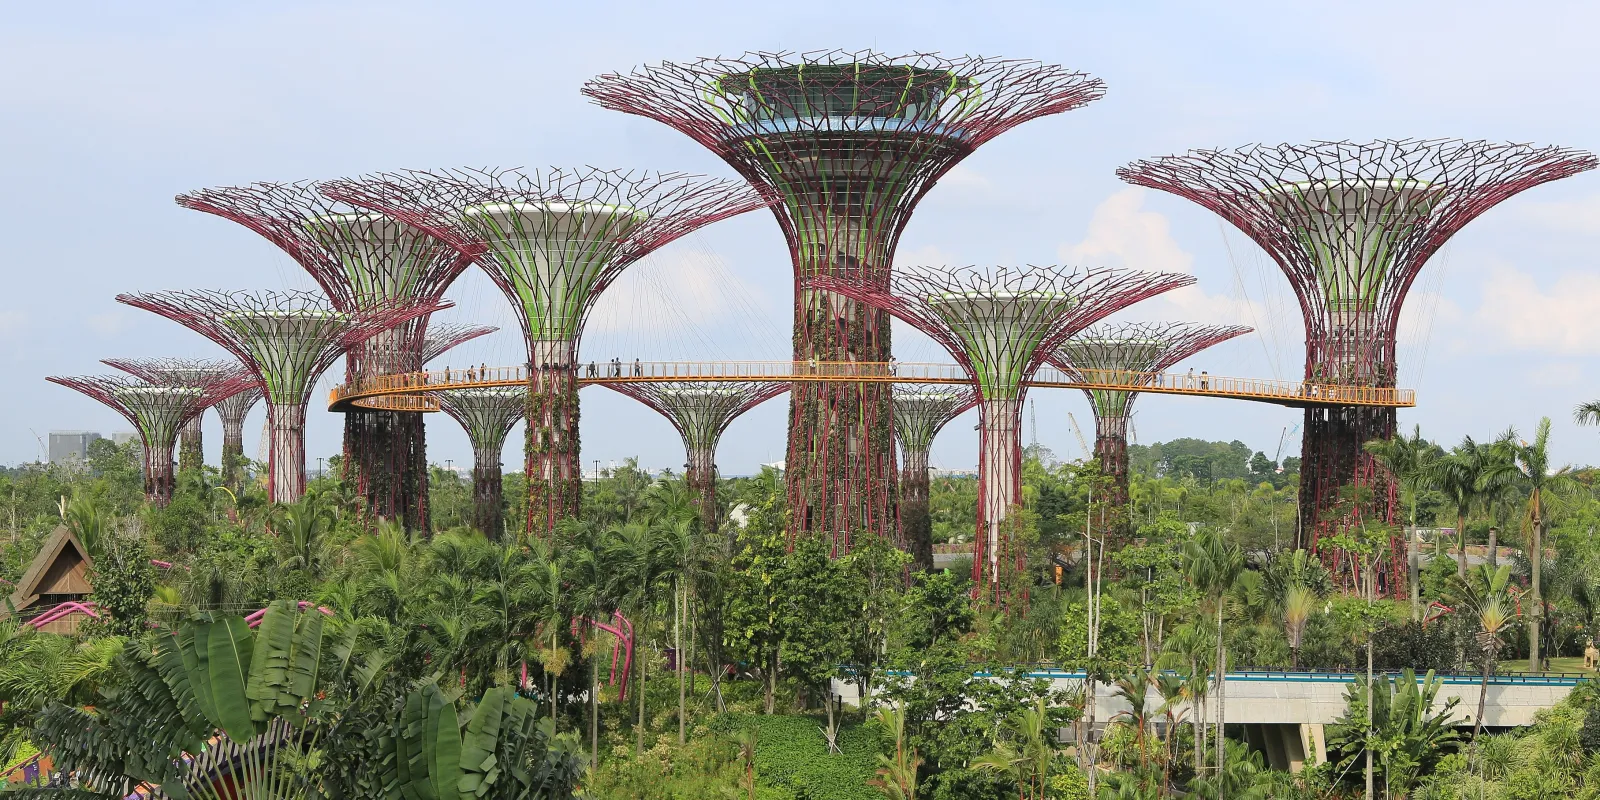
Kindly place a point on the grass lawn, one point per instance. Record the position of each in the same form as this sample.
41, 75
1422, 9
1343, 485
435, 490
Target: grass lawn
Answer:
1563, 664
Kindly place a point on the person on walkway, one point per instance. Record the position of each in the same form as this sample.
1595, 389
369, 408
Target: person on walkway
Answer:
638, 369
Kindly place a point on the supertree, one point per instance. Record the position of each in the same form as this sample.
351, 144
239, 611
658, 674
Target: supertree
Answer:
158, 410
1128, 353
552, 241
287, 339
233, 411
1351, 225
441, 338
487, 414
701, 412
849, 142
1000, 325
191, 445
362, 261
920, 411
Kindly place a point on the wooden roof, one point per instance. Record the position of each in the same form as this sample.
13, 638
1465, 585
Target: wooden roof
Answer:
61, 567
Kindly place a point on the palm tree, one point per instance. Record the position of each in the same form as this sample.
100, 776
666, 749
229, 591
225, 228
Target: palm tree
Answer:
897, 775
1133, 688
1190, 648
1457, 474
1587, 413
1174, 690
1026, 756
1408, 460
1530, 467
1212, 563
1485, 598
1297, 582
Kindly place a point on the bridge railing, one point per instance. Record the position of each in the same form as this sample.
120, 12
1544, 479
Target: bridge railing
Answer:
365, 390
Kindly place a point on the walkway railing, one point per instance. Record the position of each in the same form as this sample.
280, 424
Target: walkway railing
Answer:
408, 391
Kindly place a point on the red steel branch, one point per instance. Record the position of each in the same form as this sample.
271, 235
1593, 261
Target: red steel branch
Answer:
158, 409
551, 240
1128, 352
701, 412
287, 339
1000, 325
1351, 225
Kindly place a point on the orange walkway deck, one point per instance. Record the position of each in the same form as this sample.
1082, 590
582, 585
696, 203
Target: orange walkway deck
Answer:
409, 391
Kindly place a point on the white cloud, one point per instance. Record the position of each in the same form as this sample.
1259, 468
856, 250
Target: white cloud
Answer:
1517, 314
1121, 233
1575, 216
925, 256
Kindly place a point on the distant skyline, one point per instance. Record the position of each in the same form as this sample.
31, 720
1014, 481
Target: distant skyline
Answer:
111, 109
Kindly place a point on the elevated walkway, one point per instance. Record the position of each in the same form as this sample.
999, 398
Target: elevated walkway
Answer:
409, 391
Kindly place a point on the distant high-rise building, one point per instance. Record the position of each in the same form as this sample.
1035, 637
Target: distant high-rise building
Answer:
123, 437
71, 446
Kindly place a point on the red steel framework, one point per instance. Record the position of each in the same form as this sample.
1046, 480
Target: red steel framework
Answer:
442, 337
287, 339
1000, 325
158, 409
920, 412
1128, 352
1351, 225
487, 414
701, 412
191, 444
847, 143
362, 261
551, 240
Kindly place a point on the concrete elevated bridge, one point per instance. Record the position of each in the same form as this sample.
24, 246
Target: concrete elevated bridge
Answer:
410, 391
1283, 714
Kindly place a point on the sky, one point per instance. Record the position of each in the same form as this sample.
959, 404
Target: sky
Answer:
112, 108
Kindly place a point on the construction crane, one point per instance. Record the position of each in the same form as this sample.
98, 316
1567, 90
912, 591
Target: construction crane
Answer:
1278, 455
1077, 432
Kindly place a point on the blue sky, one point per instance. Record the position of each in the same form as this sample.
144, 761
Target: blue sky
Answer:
110, 109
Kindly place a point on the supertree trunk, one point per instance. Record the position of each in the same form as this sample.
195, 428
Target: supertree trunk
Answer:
1000, 468
488, 506
159, 480
286, 432
1332, 460
700, 475
191, 449
555, 480
916, 524
386, 453
1111, 450
840, 466
232, 452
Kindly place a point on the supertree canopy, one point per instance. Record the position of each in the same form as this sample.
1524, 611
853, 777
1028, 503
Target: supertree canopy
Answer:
362, 261
701, 412
1000, 325
1128, 353
191, 445
233, 411
552, 241
287, 339
444, 337
920, 411
487, 413
848, 142
158, 410
1351, 225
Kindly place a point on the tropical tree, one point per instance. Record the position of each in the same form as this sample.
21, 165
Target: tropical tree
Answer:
1409, 461
1458, 474
1023, 750
1407, 736
1212, 563
1530, 467
1296, 583
897, 774
1484, 597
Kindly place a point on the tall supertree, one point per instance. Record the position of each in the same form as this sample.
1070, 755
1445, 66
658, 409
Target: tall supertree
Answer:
158, 410
441, 338
233, 411
487, 414
920, 411
1000, 325
701, 412
1351, 225
849, 142
363, 261
1128, 353
552, 241
287, 339
191, 445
